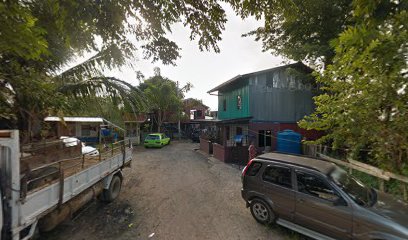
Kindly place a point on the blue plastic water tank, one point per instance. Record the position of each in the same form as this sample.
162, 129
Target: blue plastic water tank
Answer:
289, 142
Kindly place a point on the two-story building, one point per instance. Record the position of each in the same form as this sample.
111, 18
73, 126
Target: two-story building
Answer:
254, 107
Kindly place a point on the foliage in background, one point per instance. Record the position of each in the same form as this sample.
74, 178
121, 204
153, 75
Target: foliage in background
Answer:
164, 98
191, 104
299, 30
365, 104
99, 106
41, 38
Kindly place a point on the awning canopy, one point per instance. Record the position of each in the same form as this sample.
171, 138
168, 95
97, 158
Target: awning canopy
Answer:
75, 119
236, 120
83, 120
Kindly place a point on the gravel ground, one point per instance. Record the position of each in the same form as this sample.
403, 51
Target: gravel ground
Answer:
171, 193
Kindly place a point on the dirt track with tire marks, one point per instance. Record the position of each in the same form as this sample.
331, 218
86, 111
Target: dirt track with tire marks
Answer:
171, 193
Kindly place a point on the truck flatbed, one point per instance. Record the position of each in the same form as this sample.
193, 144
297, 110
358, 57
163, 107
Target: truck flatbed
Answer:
76, 176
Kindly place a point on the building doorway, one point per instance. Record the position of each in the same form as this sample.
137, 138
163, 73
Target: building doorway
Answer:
265, 138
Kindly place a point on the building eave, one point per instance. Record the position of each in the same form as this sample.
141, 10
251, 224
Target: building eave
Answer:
238, 77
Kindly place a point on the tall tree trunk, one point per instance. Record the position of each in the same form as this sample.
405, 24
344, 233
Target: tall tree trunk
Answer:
159, 120
24, 123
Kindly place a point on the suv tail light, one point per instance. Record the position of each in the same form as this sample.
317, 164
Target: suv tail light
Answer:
251, 169
246, 168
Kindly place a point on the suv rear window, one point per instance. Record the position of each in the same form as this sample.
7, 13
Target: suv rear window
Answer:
253, 169
281, 176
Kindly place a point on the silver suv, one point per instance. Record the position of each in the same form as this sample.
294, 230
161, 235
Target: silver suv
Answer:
320, 200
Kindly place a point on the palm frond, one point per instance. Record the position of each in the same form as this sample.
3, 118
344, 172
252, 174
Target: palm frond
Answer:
117, 90
108, 58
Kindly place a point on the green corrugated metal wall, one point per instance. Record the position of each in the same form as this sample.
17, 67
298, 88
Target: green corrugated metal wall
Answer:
232, 98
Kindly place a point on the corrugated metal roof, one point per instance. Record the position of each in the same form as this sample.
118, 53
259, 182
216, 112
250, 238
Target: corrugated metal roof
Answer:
74, 119
238, 77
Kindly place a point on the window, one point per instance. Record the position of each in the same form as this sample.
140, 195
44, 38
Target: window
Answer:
224, 105
239, 102
85, 130
153, 137
315, 186
292, 83
253, 169
356, 190
261, 138
281, 176
275, 80
264, 138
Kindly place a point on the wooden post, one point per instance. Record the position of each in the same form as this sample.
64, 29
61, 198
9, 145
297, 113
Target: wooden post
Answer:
123, 148
83, 160
45, 147
61, 182
24, 184
381, 184
404, 191
100, 152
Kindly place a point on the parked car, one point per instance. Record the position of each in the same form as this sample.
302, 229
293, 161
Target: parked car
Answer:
156, 140
320, 200
86, 150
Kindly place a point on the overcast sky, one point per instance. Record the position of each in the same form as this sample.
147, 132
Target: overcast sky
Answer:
206, 70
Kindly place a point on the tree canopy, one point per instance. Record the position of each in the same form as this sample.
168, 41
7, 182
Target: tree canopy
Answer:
164, 98
365, 103
41, 38
299, 30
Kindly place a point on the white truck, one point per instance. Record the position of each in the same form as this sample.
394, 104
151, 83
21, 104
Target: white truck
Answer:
37, 197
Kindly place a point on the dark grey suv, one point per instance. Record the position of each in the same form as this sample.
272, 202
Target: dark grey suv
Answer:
319, 200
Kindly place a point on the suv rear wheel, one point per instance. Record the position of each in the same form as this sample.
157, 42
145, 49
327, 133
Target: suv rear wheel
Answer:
261, 211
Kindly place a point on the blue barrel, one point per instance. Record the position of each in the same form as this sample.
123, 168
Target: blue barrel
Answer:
289, 142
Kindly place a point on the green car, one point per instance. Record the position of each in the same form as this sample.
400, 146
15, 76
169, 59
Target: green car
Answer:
156, 140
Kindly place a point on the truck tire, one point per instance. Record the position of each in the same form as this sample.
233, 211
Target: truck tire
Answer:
114, 189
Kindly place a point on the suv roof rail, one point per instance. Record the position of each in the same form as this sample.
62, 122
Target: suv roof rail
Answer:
290, 163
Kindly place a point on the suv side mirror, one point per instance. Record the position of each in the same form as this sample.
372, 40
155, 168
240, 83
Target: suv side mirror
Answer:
340, 202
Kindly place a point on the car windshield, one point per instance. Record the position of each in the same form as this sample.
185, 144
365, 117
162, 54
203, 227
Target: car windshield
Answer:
153, 137
353, 187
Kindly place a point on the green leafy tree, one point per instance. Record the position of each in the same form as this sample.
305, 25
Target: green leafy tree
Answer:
300, 30
19, 32
164, 98
40, 38
365, 104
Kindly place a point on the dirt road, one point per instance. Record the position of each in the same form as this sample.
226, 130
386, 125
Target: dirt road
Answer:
171, 193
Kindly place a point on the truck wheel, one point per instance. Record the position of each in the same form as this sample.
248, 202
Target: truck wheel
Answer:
261, 211
114, 189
